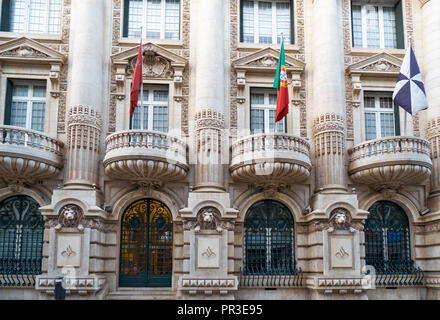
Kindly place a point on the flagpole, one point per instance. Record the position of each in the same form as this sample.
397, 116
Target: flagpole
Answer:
405, 118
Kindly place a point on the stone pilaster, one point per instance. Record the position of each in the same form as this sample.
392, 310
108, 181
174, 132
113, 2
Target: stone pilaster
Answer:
430, 72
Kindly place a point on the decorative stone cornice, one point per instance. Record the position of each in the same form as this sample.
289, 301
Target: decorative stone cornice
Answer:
82, 285
211, 119
84, 115
209, 286
328, 122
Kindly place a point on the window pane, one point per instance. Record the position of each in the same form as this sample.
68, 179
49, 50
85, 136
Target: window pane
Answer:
39, 91
265, 22
273, 99
172, 19
386, 102
37, 15
17, 16
370, 126
389, 26
160, 95
160, 119
18, 114
38, 109
20, 91
248, 21
136, 120
54, 16
276, 127
357, 26
387, 124
257, 121
373, 37
283, 21
153, 18
257, 98
369, 102
134, 18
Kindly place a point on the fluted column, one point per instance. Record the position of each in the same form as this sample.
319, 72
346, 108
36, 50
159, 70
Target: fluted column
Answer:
431, 77
328, 95
85, 100
209, 96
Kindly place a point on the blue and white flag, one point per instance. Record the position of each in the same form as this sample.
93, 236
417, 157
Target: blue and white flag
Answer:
410, 92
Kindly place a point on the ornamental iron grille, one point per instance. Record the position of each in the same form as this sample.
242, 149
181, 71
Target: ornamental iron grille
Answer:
269, 245
146, 245
21, 241
387, 245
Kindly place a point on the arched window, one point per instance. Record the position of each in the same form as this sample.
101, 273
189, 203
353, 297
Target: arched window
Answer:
146, 245
21, 238
269, 245
387, 239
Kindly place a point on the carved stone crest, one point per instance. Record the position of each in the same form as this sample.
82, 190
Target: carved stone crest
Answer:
340, 218
69, 217
154, 65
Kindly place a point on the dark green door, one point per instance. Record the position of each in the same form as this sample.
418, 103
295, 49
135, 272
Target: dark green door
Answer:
146, 245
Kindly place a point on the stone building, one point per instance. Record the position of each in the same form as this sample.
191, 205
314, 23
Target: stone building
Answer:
200, 195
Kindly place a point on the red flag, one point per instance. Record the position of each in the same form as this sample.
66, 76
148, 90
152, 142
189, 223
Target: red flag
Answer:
280, 83
136, 82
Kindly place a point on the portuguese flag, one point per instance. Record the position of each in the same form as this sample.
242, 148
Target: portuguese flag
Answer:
280, 83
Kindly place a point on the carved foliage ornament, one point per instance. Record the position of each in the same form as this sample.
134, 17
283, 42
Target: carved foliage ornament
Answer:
382, 65
69, 217
154, 65
25, 52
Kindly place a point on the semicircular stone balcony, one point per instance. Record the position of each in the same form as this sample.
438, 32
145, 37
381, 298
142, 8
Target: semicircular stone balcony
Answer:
390, 162
270, 158
28, 155
142, 155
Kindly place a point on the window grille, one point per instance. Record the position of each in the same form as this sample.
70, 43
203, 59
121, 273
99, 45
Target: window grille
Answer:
146, 245
387, 246
269, 246
21, 241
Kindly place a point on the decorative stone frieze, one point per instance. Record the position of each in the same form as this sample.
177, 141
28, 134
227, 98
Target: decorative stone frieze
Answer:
339, 285
208, 286
266, 60
158, 63
82, 285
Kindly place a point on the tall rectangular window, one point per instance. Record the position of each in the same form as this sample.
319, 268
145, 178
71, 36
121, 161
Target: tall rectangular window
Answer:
377, 26
27, 106
160, 19
152, 113
263, 109
379, 115
34, 16
266, 21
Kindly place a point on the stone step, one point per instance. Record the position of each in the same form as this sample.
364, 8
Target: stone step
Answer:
141, 294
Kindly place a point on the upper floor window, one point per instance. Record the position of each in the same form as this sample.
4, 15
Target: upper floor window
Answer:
377, 26
380, 115
160, 19
263, 109
152, 113
25, 104
265, 21
35, 16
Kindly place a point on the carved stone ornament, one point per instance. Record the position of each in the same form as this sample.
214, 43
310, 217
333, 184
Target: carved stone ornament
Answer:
208, 218
340, 218
69, 217
155, 66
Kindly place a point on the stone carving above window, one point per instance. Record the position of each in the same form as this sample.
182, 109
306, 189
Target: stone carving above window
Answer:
27, 51
382, 65
266, 60
157, 63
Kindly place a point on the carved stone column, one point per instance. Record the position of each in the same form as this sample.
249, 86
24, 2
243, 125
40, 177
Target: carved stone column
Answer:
209, 96
84, 121
430, 72
328, 95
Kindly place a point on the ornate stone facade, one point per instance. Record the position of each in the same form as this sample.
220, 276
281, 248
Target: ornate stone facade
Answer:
208, 188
